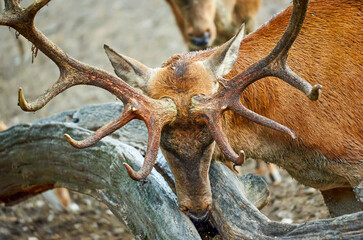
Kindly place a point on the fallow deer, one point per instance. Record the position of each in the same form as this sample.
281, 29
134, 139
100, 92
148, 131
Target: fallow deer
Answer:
205, 23
201, 99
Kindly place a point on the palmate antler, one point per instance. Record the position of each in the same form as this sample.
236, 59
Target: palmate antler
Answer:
210, 108
155, 113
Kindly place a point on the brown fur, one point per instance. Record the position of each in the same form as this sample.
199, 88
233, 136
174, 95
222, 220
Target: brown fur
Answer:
222, 18
327, 52
182, 77
328, 152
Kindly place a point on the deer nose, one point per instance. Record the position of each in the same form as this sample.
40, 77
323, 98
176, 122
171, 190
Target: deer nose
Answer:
200, 218
198, 215
201, 41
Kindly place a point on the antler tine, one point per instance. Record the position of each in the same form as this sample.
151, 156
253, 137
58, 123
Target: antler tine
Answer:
43, 99
238, 108
36, 6
11, 4
154, 123
286, 74
151, 154
109, 128
296, 21
279, 53
22, 20
216, 130
274, 64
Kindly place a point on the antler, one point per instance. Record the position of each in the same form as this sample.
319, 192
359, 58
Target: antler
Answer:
155, 113
211, 108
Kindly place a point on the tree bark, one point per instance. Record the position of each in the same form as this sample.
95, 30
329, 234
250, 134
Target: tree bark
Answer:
36, 157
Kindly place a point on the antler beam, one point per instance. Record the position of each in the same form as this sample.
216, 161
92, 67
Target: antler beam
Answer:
155, 113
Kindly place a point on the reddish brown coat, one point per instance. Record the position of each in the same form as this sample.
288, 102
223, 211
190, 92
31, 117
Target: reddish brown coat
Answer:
329, 133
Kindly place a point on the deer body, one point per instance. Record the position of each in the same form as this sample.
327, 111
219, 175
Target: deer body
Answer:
328, 152
329, 149
189, 109
204, 23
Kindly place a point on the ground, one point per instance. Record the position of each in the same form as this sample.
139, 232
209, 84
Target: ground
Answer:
144, 30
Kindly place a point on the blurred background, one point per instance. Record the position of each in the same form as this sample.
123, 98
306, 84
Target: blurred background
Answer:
142, 29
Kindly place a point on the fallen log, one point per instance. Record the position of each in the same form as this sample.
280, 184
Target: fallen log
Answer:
36, 157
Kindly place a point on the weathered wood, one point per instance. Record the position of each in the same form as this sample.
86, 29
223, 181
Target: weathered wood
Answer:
35, 157
237, 218
135, 133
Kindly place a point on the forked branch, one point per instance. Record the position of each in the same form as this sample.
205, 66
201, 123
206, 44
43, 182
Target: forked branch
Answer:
73, 72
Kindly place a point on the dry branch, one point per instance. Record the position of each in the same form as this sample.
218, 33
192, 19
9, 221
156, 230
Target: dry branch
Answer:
36, 157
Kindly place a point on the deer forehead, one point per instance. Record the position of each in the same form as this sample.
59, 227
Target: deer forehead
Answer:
181, 81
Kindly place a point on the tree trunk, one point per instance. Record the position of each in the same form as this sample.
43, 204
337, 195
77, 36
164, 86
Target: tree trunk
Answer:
36, 157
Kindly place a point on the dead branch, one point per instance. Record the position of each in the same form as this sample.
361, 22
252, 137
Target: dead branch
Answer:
36, 157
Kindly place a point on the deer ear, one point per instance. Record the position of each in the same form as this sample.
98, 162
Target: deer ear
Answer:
224, 58
131, 71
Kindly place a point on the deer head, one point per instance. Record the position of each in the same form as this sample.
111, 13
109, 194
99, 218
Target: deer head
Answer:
183, 101
186, 142
195, 19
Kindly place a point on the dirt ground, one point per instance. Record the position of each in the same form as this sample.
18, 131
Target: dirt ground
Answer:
144, 30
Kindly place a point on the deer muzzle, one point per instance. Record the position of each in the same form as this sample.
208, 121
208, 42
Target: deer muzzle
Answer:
202, 41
